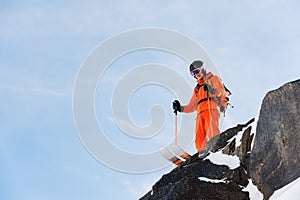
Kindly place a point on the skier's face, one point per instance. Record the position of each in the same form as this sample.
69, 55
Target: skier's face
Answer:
199, 76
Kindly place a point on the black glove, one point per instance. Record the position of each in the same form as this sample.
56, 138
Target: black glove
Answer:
177, 106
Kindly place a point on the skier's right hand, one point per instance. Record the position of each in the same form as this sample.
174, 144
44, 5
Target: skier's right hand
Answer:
177, 106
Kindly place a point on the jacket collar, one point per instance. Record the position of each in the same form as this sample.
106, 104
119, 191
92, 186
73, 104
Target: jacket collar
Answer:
205, 78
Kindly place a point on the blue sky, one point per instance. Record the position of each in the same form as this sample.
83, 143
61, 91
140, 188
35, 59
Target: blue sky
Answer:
43, 44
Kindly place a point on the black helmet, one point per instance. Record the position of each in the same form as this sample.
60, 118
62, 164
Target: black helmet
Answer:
196, 64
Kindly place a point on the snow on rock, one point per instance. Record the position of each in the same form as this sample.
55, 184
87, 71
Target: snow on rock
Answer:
290, 191
211, 180
222, 159
239, 135
238, 138
254, 125
254, 193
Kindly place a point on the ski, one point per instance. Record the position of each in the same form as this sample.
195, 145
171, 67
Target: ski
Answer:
170, 156
180, 152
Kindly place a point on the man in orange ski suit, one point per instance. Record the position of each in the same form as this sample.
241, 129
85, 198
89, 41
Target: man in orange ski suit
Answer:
209, 99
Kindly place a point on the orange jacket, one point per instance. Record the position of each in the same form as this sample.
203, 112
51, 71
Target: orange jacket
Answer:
208, 94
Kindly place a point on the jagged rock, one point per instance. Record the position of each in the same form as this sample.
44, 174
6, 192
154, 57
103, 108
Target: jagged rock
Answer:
200, 168
275, 157
230, 148
183, 182
192, 188
244, 150
238, 176
218, 142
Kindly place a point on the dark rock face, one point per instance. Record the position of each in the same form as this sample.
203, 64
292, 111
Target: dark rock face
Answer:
184, 183
275, 157
192, 188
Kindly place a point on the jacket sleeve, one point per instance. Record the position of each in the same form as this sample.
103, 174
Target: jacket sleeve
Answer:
192, 105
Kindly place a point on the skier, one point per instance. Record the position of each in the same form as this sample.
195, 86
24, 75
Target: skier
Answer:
209, 99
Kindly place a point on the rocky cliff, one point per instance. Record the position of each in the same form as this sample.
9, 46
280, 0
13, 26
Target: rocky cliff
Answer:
264, 152
275, 157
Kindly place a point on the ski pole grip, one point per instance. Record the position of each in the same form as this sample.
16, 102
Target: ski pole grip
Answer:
176, 106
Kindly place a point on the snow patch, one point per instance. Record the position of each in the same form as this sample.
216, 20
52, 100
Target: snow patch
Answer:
239, 135
211, 180
290, 191
238, 138
222, 159
254, 193
253, 130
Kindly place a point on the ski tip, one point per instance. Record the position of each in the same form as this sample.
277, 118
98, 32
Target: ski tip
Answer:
181, 152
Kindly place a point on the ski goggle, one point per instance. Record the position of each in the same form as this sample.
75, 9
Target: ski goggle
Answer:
196, 71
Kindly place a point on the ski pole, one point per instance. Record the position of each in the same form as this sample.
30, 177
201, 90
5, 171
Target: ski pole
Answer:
176, 125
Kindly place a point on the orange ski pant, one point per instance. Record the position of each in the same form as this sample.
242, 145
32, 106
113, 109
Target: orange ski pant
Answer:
207, 126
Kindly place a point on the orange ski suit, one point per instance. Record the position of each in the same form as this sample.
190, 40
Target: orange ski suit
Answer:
208, 96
